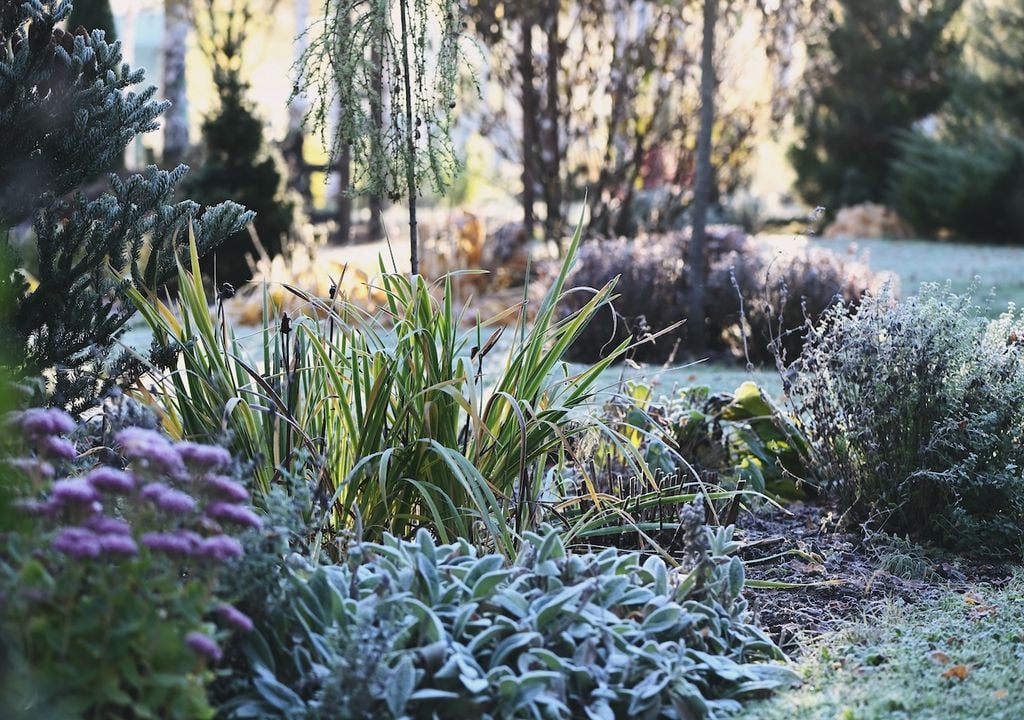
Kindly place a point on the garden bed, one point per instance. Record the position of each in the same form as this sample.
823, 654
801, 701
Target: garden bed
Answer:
842, 575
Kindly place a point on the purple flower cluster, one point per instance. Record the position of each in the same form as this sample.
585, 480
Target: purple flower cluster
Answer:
233, 513
41, 427
111, 480
226, 488
203, 457
170, 502
168, 498
82, 542
151, 450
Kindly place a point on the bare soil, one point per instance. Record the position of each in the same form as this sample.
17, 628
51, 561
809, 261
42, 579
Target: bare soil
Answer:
841, 572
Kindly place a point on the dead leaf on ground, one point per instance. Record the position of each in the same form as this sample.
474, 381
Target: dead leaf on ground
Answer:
937, 656
958, 672
1000, 694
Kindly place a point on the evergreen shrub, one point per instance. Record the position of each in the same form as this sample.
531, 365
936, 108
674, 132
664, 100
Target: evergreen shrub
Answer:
238, 163
66, 114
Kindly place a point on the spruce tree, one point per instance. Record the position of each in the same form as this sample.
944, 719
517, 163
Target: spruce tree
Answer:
237, 161
884, 65
66, 114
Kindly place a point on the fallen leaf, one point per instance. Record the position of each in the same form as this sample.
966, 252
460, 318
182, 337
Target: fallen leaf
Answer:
1000, 694
972, 598
959, 672
937, 656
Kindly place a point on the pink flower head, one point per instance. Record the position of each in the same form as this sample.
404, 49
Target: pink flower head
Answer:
227, 488
150, 449
204, 645
111, 480
117, 544
78, 542
37, 422
233, 513
233, 616
74, 491
205, 457
181, 542
221, 547
105, 525
56, 447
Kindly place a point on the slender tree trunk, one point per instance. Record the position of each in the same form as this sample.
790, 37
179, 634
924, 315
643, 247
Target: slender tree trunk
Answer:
696, 328
410, 128
552, 152
297, 109
528, 103
344, 235
375, 229
176, 27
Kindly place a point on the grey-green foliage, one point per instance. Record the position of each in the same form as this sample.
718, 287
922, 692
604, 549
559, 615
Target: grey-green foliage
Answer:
421, 630
354, 64
65, 118
914, 412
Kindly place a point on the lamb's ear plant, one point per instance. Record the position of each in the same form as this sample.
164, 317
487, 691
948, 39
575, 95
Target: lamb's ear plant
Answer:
422, 629
397, 418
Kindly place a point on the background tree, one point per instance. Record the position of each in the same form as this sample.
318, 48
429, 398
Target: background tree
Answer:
620, 88
964, 173
236, 160
883, 66
177, 21
696, 332
65, 116
93, 15
393, 65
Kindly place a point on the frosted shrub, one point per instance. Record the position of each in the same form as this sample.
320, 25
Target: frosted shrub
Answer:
914, 410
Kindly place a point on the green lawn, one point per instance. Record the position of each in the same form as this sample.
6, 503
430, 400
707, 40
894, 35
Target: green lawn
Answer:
959, 657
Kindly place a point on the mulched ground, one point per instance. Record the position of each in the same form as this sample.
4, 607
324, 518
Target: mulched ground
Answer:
843, 573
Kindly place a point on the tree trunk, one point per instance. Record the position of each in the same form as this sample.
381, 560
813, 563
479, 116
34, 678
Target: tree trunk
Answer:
410, 160
298, 106
528, 102
696, 326
344, 234
375, 228
176, 27
552, 150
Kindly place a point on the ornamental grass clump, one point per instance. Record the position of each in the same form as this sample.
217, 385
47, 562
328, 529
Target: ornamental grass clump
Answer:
111, 575
914, 412
418, 629
395, 416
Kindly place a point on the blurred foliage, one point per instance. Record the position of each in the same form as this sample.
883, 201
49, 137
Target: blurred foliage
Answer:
882, 66
729, 441
93, 15
965, 176
758, 301
236, 160
604, 101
